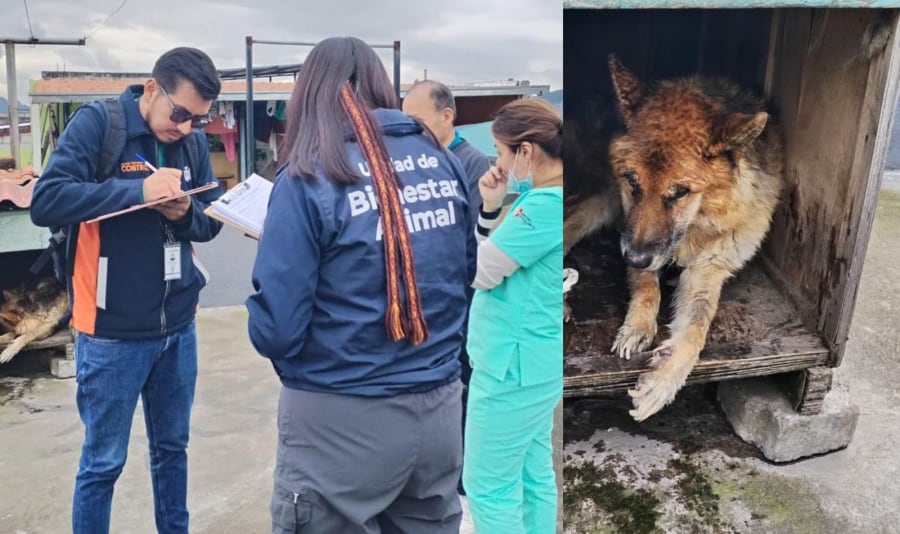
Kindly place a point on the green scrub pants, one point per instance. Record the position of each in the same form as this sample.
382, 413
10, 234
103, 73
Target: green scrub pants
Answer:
508, 455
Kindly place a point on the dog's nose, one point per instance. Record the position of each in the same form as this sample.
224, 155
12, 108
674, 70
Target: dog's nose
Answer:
638, 260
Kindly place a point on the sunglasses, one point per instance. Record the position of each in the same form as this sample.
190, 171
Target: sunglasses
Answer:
180, 115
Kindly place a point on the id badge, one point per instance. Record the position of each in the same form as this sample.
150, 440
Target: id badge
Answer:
172, 262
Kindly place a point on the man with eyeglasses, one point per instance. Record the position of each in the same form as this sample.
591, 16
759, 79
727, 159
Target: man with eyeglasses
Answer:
133, 281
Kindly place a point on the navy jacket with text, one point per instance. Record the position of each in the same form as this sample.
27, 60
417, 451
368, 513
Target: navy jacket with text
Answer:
319, 308
117, 287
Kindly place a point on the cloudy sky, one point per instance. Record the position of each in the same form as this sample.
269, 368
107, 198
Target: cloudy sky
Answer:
459, 41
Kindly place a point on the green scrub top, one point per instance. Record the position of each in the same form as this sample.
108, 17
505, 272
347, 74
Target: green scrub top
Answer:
523, 314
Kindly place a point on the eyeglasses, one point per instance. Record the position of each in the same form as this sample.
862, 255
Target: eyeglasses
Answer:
180, 115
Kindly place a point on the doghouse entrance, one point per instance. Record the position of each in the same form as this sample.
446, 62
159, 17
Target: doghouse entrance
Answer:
757, 330
826, 72
15, 268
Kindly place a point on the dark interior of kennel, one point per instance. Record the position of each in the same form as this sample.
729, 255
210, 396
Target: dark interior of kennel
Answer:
826, 72
15, 268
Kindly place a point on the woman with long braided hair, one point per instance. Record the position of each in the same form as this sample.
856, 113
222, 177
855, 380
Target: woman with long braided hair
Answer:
360, 302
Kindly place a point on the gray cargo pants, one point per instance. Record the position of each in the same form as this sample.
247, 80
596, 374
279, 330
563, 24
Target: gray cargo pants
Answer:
368, 465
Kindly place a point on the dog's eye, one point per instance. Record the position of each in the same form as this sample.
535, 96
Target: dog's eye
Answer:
631, 178
679, 193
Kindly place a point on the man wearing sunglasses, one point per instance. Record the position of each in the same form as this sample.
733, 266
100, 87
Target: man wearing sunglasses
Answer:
133, 281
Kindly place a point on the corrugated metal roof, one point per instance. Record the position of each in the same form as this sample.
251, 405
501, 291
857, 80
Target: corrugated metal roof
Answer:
260, 72
72, 89
88, 89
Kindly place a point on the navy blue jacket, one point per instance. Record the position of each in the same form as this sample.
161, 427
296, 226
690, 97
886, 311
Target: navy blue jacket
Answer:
118, 289
319, 308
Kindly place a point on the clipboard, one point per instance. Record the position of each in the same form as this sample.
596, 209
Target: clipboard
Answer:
246, 230
244, 207
136, 207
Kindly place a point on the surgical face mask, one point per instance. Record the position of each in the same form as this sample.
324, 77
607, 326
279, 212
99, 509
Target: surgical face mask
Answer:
516, 186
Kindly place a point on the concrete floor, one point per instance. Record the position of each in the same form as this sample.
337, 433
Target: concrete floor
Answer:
231, 454
233, 433
685, 471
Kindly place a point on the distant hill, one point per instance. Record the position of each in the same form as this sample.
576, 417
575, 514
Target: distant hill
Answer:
555, 98
4, 106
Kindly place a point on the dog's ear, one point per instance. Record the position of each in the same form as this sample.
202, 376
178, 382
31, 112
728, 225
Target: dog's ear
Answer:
736, 130
629, 89
9, 295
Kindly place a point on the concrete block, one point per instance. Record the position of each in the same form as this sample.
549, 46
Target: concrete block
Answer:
62, 368
761, 414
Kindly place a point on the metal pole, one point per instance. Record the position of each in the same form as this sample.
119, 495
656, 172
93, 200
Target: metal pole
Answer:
397, 68
36, 41
295, 43
250, 159
13, 101
12, 97
249, 165
37, 160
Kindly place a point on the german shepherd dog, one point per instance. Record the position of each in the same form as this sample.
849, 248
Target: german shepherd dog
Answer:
699, 168
31, 315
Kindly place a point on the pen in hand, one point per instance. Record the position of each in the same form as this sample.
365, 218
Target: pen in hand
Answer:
145, 162
161, 184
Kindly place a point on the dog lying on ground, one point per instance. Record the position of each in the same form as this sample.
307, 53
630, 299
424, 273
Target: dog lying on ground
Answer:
29, 316
699, 170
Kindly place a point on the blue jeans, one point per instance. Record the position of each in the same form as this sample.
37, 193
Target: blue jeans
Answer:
111, 374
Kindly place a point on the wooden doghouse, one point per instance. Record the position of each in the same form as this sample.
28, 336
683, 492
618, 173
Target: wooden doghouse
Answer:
832, 76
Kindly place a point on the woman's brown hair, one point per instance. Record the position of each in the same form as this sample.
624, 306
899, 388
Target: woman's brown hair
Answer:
340, 83
530, 119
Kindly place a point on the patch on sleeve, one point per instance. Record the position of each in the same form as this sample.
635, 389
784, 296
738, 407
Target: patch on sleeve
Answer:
520, 214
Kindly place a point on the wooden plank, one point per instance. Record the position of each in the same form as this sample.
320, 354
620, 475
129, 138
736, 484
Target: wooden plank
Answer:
835, 88
593, 374
807, 389
775, 28
17, 233
60, 339
880, 104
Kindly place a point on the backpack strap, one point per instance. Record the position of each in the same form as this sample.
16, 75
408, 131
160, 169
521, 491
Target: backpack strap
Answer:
114, 139
115, 136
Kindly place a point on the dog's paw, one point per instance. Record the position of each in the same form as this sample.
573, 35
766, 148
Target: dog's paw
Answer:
633, 338
567, 312
7, 355
657, 388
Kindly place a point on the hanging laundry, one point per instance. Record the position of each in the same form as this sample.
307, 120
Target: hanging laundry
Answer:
229, 115
273, 145
219, 127
229, 140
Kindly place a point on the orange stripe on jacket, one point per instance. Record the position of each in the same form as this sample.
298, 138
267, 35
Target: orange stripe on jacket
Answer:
84, 279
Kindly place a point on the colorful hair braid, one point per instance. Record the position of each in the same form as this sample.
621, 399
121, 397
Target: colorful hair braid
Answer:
410, 324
